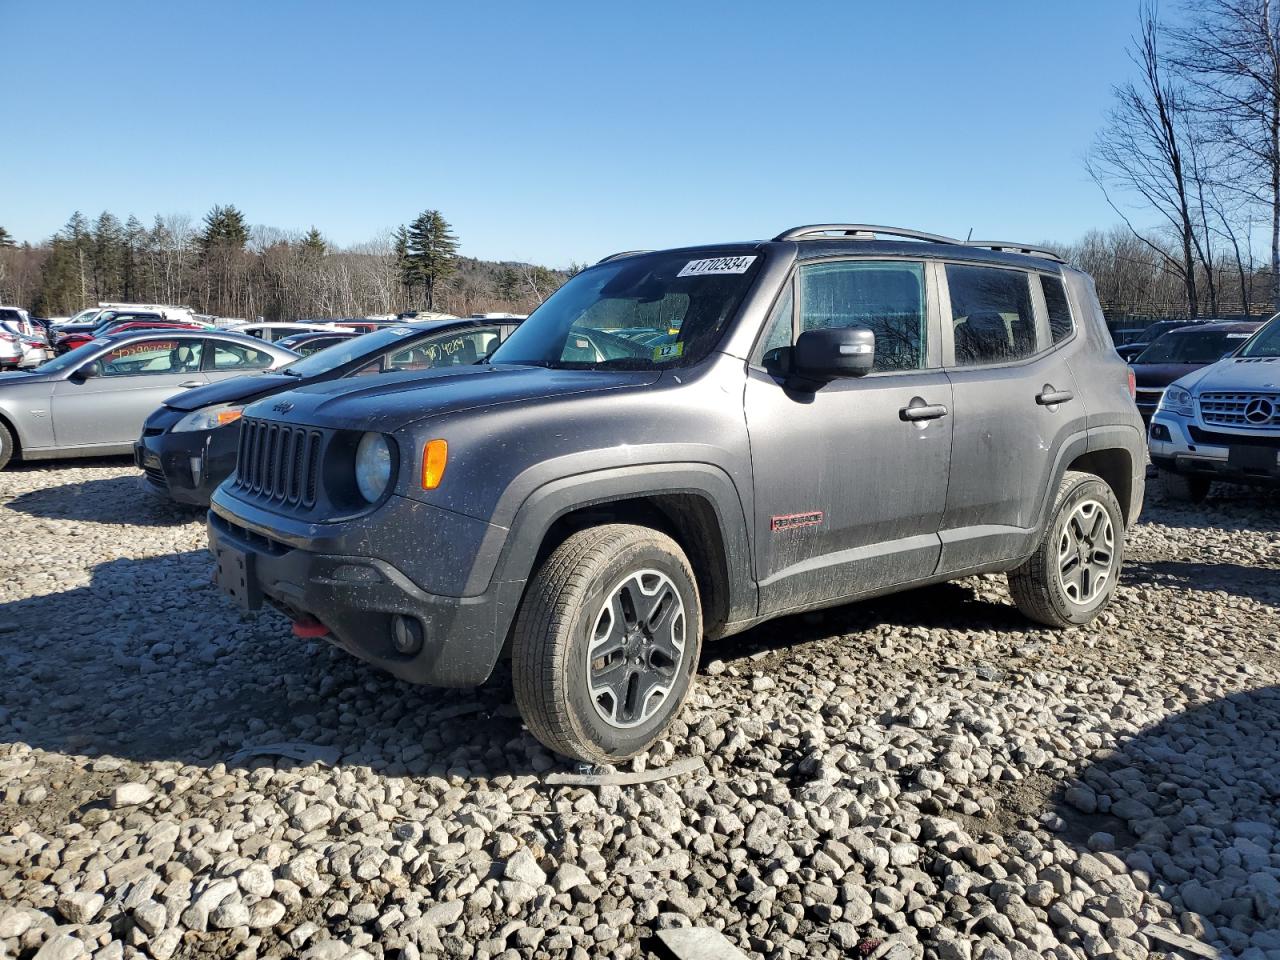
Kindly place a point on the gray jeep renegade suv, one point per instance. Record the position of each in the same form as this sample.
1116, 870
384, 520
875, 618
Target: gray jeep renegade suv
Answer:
680, 444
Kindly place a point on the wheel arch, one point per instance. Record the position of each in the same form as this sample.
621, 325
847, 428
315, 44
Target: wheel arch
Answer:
697, 505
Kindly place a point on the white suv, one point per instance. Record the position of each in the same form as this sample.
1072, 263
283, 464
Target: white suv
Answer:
1222, 422
22, 342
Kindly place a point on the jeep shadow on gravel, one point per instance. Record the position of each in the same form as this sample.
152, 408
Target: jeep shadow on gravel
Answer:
681, 444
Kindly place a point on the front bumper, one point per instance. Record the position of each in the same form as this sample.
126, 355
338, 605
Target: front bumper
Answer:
1183, 445
188, 466
357, 597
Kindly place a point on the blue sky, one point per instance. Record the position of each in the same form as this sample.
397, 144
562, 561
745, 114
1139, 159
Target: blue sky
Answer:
556, 131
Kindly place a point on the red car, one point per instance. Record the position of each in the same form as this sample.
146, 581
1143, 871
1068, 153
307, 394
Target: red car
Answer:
69, 341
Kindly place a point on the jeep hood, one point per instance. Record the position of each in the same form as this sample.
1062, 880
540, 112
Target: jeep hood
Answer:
388, 402
1236, 373
235, 390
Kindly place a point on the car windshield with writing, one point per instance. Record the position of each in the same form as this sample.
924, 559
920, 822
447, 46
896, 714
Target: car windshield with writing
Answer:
1190, 346
370, 344
639, 312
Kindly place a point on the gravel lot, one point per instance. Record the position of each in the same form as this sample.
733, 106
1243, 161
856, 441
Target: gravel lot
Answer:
926, 775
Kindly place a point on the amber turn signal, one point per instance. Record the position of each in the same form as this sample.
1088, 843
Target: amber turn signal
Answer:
435, 455
228, 416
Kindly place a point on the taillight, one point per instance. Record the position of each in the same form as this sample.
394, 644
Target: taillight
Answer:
1133, 385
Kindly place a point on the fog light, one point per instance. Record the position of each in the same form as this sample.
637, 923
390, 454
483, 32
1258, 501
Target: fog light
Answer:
406, 634
1160, 432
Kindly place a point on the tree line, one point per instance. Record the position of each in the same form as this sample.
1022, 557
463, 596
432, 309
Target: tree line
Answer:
1194, 140
224, 267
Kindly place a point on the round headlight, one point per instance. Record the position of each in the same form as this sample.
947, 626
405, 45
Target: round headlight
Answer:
373, 466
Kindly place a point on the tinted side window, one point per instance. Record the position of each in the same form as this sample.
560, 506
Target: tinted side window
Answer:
884, 297
1055, 298
237, 356
991, 314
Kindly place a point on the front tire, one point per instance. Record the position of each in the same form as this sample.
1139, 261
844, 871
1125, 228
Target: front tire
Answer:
1075, 569
1183, 489
606, 642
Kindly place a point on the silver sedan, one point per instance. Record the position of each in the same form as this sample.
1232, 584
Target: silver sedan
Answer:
93, 400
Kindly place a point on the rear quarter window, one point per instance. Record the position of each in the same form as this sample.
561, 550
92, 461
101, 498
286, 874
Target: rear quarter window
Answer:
1055, 300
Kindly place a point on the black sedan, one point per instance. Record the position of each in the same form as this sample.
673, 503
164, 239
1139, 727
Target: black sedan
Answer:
1130, 351
188, 446
1179, 352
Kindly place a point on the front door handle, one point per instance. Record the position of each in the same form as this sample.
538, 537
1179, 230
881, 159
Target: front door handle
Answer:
190, 383
1049, 397
917, 410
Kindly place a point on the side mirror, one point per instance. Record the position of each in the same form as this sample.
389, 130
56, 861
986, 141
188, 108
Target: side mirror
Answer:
821, 356
87, 372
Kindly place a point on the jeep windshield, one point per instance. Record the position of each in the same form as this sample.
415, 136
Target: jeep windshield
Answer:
639, 312
356, 348
1264, 343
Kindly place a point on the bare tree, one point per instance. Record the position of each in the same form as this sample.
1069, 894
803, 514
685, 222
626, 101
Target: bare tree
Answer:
1143, 150
1230, 51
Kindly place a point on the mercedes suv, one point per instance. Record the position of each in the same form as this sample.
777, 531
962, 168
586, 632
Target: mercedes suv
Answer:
681, 444
1222, 422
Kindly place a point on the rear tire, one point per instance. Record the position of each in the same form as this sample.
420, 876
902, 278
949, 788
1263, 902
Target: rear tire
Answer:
1075, 569
7, 446
606, 642
1182, 488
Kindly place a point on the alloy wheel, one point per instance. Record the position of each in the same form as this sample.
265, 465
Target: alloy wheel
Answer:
636, 648
1086, 552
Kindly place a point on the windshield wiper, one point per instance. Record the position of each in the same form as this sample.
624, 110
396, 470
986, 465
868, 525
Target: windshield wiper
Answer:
290, 372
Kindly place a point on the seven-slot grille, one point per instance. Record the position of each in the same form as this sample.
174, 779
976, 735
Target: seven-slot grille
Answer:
278, 461
1241, 409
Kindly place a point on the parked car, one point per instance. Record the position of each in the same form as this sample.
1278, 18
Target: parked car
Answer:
1222, 422
93, 316
315, 341
73, 335
1175, 354
188, 446
22, 340
272, 332
365, 326
837, 416
93, 400
122, 323
1129, 351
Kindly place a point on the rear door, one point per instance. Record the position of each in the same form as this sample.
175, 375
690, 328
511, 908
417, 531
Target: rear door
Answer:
129, 382
1016, 405
849, 489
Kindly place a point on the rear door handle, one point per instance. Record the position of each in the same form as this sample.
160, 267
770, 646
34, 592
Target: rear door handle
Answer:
919, 410
190, 383
1049, 397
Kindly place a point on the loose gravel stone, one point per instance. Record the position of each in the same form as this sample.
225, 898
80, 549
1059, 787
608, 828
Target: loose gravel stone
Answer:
917, 777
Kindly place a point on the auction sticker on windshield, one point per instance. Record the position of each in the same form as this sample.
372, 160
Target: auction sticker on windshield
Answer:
715, 265
668, 351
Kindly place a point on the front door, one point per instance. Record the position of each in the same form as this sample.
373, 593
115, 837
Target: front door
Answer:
1004, 370
126, 384
849, 481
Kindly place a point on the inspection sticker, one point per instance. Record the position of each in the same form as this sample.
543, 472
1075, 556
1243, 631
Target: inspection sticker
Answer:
703, 268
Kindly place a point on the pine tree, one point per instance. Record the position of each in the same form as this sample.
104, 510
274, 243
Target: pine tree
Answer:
432, 252
400, 250
5, 239
313, 244
509, 285
224, 229
108, 256
133, 268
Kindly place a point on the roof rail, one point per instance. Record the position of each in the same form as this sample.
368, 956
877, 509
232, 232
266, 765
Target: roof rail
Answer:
860, 231
1028, 249
620, 255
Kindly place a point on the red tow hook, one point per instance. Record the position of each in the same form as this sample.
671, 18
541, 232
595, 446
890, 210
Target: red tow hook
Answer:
309, 628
